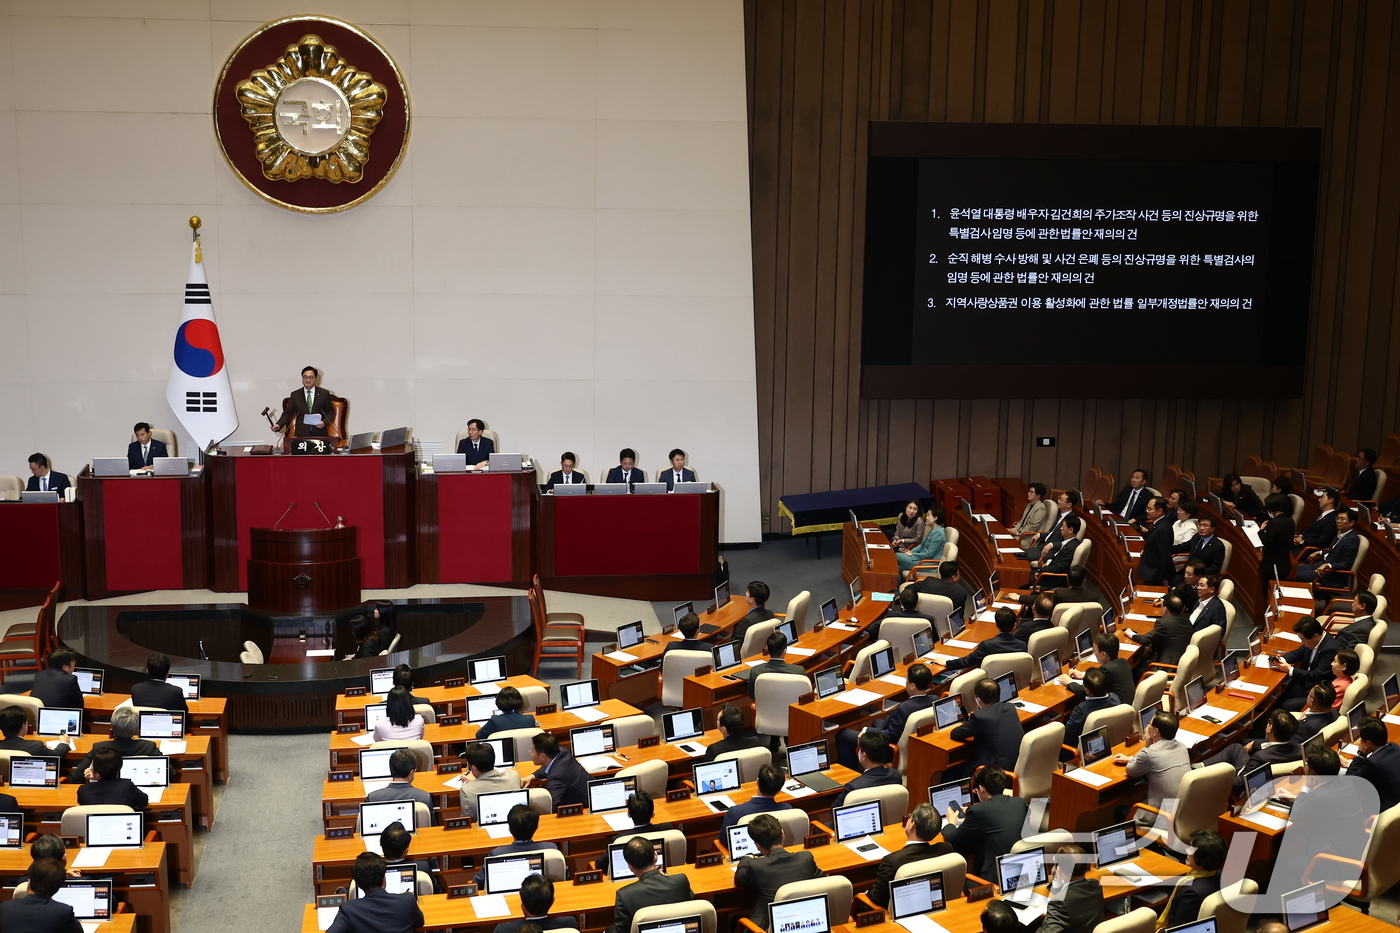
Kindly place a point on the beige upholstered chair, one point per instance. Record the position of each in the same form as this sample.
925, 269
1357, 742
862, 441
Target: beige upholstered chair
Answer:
900, 633
1142, 920
421, 747
953, 866
533, 696
773, 694
540, 800
676, 666
756, 637
796, 823
426, 711
936, 607
963, 685
1150, 689
911, 724
1120, 721
1018, 662
1052, 639
1356, 692
838, 890
672, 842
797, 611
1228, 919
1185, 671
1048, 839
523, 739
650, 775
1038, 759
1378, 870
10, 487
894, 801
30, 705
627, 730
677, 911
750, 760
1204, 795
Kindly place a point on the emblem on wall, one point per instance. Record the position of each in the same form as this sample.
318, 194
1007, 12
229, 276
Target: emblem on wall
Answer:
312, 114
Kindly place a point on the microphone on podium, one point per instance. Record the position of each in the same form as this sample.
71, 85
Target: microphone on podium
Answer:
323, 514
284, 515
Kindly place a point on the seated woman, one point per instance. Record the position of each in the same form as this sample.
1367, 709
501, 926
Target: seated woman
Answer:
1238, 494
1344, 668
908, 528
400, 721
1036, 518
931, 547
367, 636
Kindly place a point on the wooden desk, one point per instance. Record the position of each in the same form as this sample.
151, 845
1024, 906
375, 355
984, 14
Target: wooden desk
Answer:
866, 553
208, 716
139, 874
191, 767
643, 687
477, 527
41, 543
445, 701
978, 557
143, 533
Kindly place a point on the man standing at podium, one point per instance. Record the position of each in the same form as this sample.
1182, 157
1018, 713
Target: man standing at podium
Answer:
310, 405
141, 453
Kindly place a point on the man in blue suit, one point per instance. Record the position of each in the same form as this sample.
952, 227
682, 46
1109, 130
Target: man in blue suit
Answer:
874, 755
1210, 609
1379, 761
920, 688
43, 478
678, 473
44, 913
770, 781
378, 911
1340, 556
626, 471
477, 448
1097, 697
141, 453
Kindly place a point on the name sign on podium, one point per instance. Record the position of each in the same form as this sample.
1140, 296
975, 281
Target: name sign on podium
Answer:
310, 445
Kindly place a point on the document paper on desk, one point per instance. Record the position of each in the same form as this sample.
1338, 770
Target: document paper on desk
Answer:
1220, 713
961, 644
91, 857
867, 848
1190, 739
589, 713
1296, 592
856, 697
495, 831
173, 746
486, 906
1266, 820
797, 790
618, 822
320, 652
1089, 777
921, 923
897, 680
1246, 685
325, 916
621, 656
596, 763
366, 739
153, 794
489, 689
92, 926
454, 782
801, 652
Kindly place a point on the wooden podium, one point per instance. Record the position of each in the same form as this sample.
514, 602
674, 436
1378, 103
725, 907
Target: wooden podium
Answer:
303, 570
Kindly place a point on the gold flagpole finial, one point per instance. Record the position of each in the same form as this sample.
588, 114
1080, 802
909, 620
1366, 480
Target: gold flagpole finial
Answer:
194, 228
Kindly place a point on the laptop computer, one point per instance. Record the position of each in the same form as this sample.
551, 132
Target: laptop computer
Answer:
630, 634
374, 763
726, 655
1049, 664
376, 817
830, 611
619, 870
1006, 683
716, 777
494, 809
679, 925
882, 662
161, 725
609, 489
855, 590
92, 899
504, 748
394, 437
806, 764
38, 497
1391, 691
722, 595
948, 711
570, 489
579, 694
90, 681
979, 601
681, 725
110, 466
916, 896
923, 642
857, 821
486, 671
116, 830
399, 878
147, 770
739, 842
955, 794
689, 488
377, 712
610, 794
449, 463
829, 681
1093, 746
806, 915
1306, 907
1115, 844
649, 489
171, 466
188, 683
33, 772
506, 873
593, 740
11, 830
381, 681
788, 630
56, 721
1195, 693
1019, 873
505, 463
364, 441
1196, 926
479, 709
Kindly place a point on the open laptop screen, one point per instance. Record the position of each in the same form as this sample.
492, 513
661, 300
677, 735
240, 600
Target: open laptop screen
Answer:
374, 817
1093, 746
147, 770
56, 721
684, 724
942, 796
680, 612
381, 681
90, 898
1257, 784
506, 873
618, 866
374, 763
486, 670
1305, 907
829, 611
1049, 666
721, 595
1195, 693
1196, 926
114, 829
629, 635
923, 642
740, 842
956, 625
1021, 870
829, 681
89, 681
579, 694
717, 777
947, 711
33, 772
788, 630
919, 895
808, 915
11, 830
857, 820
493, 809
679, 925
592, 740
726, 655
377, 712
1117, 843
162, 725
504, 748
882, 662
609, 795
1006, 683
188, 684
805, 759
1391, 691
479, 709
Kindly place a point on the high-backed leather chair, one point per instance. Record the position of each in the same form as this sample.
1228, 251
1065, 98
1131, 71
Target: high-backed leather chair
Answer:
165, 436
335, 429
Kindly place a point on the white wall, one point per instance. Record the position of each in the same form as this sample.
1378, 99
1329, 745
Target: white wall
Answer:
564, 251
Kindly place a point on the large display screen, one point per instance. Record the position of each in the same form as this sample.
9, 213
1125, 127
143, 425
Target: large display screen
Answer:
1052, 261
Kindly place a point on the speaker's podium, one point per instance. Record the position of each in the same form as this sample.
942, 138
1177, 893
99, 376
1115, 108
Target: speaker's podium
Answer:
303, 570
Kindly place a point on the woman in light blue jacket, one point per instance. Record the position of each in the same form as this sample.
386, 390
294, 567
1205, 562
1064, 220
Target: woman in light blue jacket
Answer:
931, 548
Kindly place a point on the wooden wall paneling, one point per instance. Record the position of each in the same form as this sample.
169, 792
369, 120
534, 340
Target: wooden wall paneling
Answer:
944, 459
1097, 25
1268, 90
961, 54
1379, 364
1316, 38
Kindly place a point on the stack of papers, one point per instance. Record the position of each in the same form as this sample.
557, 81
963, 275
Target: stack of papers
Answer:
897, 679
961, 644
325, 916
178, 746
153, 794
1089, 777
939, 658
1135, 874
1245, 685
1288, 636
589, 713
856, 697
802, 652
1224, 715
1266, 820
1035, 709
495, 831
596, 763
486, 906
921, 923
366, 739
841, 626
487, 690
618, 822
1139, 617
1296, 592
372, 786
1189, 739
1003, 604
454, 782
91, 857
867, 848
620, 656
1008, 550
1004, 537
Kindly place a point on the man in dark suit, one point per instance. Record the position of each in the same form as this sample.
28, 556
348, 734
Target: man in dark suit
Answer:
45, 479
536, 899
994, 730
559, 772
737, 732
991, 826
1357, 631
1311, 662
1205, 857
906, 606
1170, 634
651, 889
948, 583
1075, 592
141, 453
626, 471
1096, 697
921, 827
770, 781
689, 627
308, 401
477, 448
1041, 611
1131, 503
756, 595
1209, 609
1379, 761
772, 867
1076, 901
1003, 642
1155, 566
919, 685
378, 911
1318, 714
1204, 546
1340, 556
566, 475
56, 684
14, 724
678, 472
874, 755
156, 692
395, 841
641, 810
1322, 531
1363, 487
1058, 555
1280, 745
775, 648
1118, 671
125, 721
524, 823
108, 786
39, 912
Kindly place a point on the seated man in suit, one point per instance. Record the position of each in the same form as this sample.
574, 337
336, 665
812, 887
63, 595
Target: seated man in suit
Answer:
536, 900
1205, 547
948, 583
775, 648
108, 785
738, 733
772, 867
991, 826
1205, 857
1076, 901
1131, 503
1162, 762
1311, 662
510, 703
1339, 556
1076, 592
1280, 745
1056, 556
1155, 565
678, 472
125, 722
1000, 917
378, 911
1121, 682
403, 765
1096, 697
524, 823
14, 724
770, 781
1379, 761
56, 685
641, 810
142, 452
906, 606
1042, 608
874, 755
1363, 487
310, 407
477, 448
1357, 631
920, 689
559, 771
156, 692
1003, 642
1210, 608
1322, 530
45, 479
1171, 632
1040, 544
651, 889
485, 777
39, 912
756, 595
994, 730
689, 627
921, 827
1319, 712
626, 471
395, 841
566, 475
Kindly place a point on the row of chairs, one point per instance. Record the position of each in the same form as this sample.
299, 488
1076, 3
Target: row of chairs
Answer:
25, 644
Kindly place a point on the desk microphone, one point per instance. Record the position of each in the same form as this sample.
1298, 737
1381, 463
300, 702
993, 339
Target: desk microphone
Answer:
323, 514
203, 655
284, 515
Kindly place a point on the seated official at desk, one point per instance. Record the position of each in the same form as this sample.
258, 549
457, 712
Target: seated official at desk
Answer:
1097, 696
906, 606
1280, 745
994, 730
108, 786
1339, 556
378, 911
559, 772
775, 649
477, 448
651, 889
930, 547
400, 721
566, 475
57, 685
1311, 662
1003, 642
641, 810
1162, 762
1076, 901
626, 471
44, 479
1378, 761
156, 692
921, 827
770, 781
1119, 672
403, 765
395, 841
484, 777
920, 688
1000, 917
1319, 713
756, 595
1042, 611
39, 912
536, 900
510, 702
678, 472
737, 733
142, 452
948, 584
309, 407
14, 724
523, 823
990, 826
1240, 496
1205, 857
125, 721
772, 867
874, 756
689, 627
1171, 632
